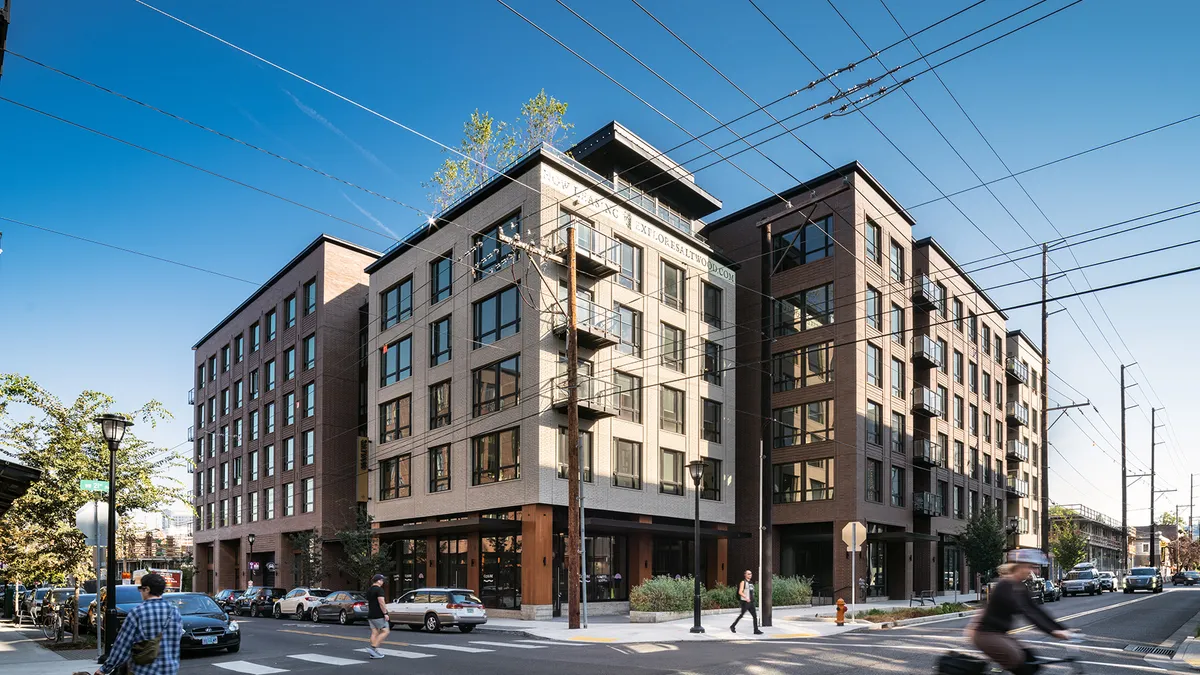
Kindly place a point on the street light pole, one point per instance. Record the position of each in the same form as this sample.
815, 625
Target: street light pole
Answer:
696, 469
249, 570
113, 427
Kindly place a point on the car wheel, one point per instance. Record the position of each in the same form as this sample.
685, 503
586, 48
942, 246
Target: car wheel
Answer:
431, 623
233, 649
299, 612
467, 628
276, 613
342, 618
415, 626
316, 618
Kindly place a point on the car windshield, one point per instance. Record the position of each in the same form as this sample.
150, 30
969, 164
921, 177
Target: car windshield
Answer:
1106, 575
1080, 574
318, 592
1142, 572
464, 598
40, 593
193, 604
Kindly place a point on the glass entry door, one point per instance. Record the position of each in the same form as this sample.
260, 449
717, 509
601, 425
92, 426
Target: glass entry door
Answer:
452, 563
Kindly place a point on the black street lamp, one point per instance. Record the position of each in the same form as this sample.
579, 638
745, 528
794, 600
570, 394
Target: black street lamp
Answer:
249, 570
113, 427
696, 469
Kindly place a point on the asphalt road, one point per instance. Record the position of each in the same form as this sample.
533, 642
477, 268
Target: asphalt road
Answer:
1111, 623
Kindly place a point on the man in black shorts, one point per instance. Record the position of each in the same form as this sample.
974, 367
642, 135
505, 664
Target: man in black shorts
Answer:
377, 616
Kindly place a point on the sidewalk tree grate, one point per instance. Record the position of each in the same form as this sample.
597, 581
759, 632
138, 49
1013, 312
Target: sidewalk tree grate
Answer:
1156, 651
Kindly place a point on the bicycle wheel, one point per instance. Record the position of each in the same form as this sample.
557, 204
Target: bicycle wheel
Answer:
47, 623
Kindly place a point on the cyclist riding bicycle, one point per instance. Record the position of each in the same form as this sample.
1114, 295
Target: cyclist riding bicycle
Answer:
1009, 599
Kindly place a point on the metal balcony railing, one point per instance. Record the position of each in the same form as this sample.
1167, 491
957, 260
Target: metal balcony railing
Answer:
1016, 486
1016, 370
596, 254
925, 401
927, 504
928, 453
926, 294
1018, 450
191, 434
1018, 413
598, 327
928, 351
597, 398
191, 397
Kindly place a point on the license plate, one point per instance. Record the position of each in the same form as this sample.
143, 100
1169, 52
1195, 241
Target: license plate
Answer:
470, 611
208, 640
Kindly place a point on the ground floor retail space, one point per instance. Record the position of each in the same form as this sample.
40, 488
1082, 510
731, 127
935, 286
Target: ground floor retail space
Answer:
515, 559
273, 560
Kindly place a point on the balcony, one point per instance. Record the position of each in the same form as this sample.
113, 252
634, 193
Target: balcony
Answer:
926, 294
191, 434
597, 327
1016, 486
597, 398
1018, 526
1017, 413
928, 454
191, 397
927, 352
1016, 371
925, 401
596, 255
1017, 450
927, 504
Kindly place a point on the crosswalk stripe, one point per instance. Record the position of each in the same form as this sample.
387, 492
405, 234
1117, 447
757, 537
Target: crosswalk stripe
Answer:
456, 648
554, 643
248, 668
327, 660
398, 653
511, 645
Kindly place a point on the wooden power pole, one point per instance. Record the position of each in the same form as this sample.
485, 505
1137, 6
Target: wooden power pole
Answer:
574, 542
1044, 432
5, 16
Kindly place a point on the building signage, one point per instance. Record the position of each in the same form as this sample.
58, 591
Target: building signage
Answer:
646, 230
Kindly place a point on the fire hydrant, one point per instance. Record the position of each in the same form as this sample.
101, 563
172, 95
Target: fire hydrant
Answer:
841, 612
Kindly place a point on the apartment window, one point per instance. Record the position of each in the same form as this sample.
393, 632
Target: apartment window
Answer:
874, 242
897, 378
289, 500
972, 327
310, 297
492, 254
395, 477
224, 475
999, 432
269, 504
973, 377
255, 337
627, 464
307, 495
237, 433
803, 424
898, 433
710, 480
439, 405
224, 402
807, 481
269, 417
239, 349
585, 455
254, 385
710, 425
289, 363
958, 412
237, 394
987, 386
497, 316
223, 513
395, 361
802, 367
874, 308
225, 359
253, 508
395, 304
987, 427
253, 462
441, 278
674, 293
958, 501
289, 313
439, 469
973, 419
268, 461
987, 340
874, 365
271, 375
496, 386
212, 479
395, 419
998, 349
670, 472
943, 349
713, 308
630, 330
310, 352
808, 243
943, 399
631, 265
289, 453
672, 347
237, 510
974, 463
897, 262
671, 402
999, 393
200, 378
958, 366
959, 457
629, 396
805, 310
898, 486
957, 314
897, 324
254, 420
496, 457
225, 438
439, 341
874, 481
713, 363
212, 368
942, 308
289, 409
874, 421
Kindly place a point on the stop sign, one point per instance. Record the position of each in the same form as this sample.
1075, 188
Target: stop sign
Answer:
854, 533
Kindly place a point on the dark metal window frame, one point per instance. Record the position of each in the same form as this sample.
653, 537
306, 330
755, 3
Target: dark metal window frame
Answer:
391, 478
500, 401
392, 410
495, 471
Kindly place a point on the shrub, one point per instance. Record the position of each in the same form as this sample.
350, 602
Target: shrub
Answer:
663, 594
721, 597
787, 591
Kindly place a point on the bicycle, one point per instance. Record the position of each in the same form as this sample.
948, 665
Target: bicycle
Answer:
51, 622
957, 663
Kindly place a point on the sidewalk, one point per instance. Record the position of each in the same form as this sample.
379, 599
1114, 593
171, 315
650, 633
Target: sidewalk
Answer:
830, 611
20, 654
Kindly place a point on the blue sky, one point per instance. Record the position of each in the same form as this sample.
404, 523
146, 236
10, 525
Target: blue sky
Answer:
78, 316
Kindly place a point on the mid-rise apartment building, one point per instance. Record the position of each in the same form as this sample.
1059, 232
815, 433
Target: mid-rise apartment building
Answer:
1023, 413
278, 416
467, 392
1106, 547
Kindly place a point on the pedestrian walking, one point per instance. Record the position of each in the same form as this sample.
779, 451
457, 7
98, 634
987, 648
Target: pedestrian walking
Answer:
377, 616
149, 638
745, 591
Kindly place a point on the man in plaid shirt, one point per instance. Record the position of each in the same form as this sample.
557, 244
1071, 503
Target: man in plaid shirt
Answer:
150, 619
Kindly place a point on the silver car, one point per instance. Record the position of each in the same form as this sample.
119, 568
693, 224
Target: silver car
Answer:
432, 608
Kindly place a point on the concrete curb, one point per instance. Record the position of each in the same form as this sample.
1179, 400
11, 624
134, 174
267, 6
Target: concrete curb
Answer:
926, 619
1188, 653
504, 631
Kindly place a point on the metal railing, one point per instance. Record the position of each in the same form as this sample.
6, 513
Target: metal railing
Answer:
593, 392
1086, 514
925, 290
927, 503
927, 401
191, 397
591, 317
929, 452
927, 348
1018, 411
191, 433
589, 242
1015, 368
1018, 486
1018, 450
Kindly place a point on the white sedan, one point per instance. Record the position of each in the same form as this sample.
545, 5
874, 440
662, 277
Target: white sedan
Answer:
298, 602
432, 608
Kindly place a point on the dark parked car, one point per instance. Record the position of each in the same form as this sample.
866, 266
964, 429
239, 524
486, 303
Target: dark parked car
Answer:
1143, 579
259, 601
1051, 591
1186, 578
128, 597
1037, 589
344, 606
85, 612
227, 598
205, 625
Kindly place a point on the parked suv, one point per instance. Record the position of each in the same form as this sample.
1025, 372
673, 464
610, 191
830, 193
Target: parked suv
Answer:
298, 602
1082, 579
1108, 582
259, 600
432, 608
227, 598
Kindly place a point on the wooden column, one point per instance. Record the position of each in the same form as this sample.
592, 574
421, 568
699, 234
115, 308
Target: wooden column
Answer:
473, 561
431, 556
537, 554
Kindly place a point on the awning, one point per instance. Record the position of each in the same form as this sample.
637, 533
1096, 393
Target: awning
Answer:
463, 526
901, 536
15, 480
682, 531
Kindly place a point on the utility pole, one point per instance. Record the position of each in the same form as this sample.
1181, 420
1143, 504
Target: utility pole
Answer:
1191, 502
1124, 474
1045, 430
765, 534
574, 541
5, 16
1153, 541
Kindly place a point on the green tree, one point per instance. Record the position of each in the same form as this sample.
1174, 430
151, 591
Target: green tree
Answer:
311, 568
489, 145
38, 538
1169, 518
362, 557
1068, 544
983, 541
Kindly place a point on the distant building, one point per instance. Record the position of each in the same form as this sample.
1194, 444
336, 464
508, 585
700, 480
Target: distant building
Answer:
1105, 543
1164, 534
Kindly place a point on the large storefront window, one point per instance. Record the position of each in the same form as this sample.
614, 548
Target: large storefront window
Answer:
606, 569
675, 557
500, 567
411, 558
452, 563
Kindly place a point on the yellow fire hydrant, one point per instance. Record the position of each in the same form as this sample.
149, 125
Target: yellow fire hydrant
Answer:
841, 612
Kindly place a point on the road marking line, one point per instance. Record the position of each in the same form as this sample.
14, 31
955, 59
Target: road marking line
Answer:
453, 648
510, 645
398, 653
248, 668
784, 636
1022, 629
327, 660
1122, 665
569, 644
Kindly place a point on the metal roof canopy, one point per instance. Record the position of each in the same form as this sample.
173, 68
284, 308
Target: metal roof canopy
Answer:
15, 480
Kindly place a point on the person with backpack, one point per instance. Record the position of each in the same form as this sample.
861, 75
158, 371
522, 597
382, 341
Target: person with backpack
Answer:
745, 591
149, 638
